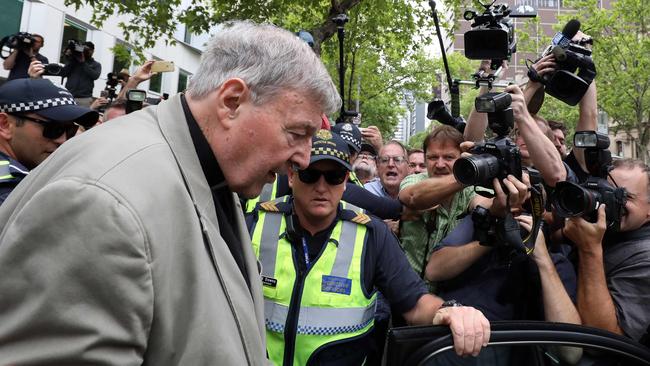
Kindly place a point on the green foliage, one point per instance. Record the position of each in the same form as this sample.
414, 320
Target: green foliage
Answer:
621, 49
384, 40
416, 141
122, 54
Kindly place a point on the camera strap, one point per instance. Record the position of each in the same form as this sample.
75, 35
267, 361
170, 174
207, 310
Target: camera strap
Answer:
537, 211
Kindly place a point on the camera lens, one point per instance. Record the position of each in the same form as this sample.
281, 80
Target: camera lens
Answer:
575, 200
53, 69
476, 169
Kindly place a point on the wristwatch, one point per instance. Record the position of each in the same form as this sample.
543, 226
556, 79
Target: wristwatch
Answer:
450, 303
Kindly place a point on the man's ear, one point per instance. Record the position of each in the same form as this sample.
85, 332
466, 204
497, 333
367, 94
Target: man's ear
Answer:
7, 127
230, 97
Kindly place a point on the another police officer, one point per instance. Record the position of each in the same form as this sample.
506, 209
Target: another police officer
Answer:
322, 262
36, 117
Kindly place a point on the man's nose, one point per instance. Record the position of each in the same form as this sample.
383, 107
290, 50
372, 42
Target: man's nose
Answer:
302, 155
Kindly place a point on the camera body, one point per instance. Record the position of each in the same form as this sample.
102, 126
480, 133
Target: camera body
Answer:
583, 199
75, 47
497, 157
492, 36
20, 41
437, 110
574, 73
52, 69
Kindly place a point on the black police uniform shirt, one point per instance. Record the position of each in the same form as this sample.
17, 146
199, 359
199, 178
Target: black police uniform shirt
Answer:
19, 71
384, 267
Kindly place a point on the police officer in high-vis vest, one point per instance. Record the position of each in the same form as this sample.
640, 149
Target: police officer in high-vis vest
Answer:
322, 261
36, 117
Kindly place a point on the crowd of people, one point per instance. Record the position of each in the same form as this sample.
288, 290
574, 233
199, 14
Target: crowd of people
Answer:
230, 224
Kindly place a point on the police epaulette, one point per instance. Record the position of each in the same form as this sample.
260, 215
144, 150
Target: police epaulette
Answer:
361, 219
269, 206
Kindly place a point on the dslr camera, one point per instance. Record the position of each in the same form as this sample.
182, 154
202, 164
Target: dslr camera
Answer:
497, 157
492, 36
584, 199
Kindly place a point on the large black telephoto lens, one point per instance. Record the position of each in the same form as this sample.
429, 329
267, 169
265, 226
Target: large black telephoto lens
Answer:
476, 169
574, 200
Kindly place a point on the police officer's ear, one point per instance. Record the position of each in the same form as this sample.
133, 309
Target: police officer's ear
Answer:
230, 98
7, 126
291, 175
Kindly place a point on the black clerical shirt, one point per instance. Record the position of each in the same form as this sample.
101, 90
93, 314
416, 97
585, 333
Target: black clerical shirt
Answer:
221, 194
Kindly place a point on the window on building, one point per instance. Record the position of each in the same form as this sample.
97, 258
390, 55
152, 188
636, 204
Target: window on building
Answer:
541, 3
619, 148
183, 78
71, 31
187, 37
120, 53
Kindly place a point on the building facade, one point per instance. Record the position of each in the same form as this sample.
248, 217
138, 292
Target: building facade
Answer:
58, 23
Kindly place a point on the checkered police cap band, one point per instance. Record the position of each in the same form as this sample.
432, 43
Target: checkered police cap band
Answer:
36, 105
349, 138
330, 152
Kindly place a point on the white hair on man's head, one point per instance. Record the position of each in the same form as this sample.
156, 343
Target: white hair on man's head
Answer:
269, 59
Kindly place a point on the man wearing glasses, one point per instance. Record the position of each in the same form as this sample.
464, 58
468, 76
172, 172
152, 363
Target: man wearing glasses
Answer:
392, 167
322, 262
36, 117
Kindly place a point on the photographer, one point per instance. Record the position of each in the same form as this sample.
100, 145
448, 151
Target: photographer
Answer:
588, 104
613, 281
434, 199
501, 280
20, 58
142, 74
81, 71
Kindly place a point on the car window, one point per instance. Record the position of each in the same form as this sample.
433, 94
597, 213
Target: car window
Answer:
533, 355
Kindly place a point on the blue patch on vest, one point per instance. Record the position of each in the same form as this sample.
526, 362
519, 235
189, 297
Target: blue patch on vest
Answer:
337, 285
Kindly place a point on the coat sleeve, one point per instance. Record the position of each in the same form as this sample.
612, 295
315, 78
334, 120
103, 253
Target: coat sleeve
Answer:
76, 285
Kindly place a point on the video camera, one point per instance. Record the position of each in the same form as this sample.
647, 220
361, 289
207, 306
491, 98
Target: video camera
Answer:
497, 157
575, 68
75, 47
20, 41
584, 199
437, 110
492, 36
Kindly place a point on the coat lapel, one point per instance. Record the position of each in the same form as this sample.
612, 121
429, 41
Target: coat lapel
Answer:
173, 125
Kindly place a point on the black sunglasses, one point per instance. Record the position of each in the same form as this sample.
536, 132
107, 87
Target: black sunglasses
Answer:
332, 177
53, 129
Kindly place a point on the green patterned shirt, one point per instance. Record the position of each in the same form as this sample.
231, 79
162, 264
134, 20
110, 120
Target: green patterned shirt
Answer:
413, 234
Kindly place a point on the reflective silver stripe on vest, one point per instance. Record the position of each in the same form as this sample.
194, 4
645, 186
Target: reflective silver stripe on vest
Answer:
345, 250
267, 192
351, 207
4, 170
269, 244
319, 321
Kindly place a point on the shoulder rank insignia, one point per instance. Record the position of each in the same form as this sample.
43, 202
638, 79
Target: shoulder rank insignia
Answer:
361, 218
269, 206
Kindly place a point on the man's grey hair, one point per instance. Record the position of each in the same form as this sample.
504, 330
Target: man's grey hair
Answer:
269, 59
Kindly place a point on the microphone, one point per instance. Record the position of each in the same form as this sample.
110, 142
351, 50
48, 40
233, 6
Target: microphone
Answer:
563, 38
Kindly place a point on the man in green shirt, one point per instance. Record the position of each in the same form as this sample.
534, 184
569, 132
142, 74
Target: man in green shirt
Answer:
434, 199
